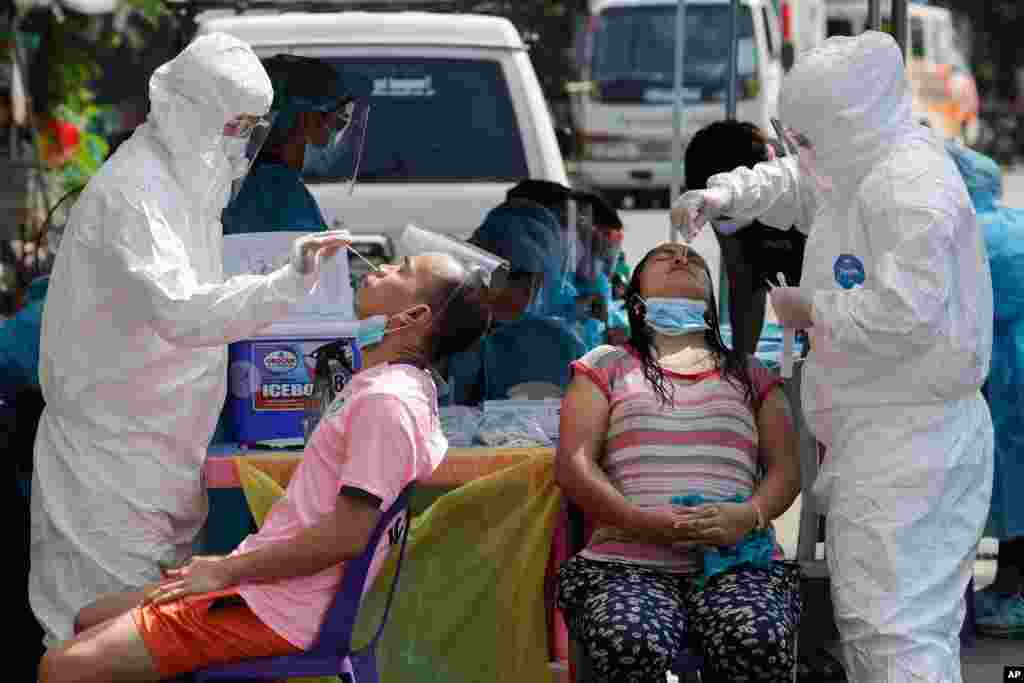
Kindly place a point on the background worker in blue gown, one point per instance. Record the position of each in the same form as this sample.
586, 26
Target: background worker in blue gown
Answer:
319, 123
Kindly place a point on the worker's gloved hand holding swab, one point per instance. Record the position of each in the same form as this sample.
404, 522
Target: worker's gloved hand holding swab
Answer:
310, 250
695, 208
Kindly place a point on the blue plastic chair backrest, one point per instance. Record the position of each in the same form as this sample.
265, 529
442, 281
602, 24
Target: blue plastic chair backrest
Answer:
335, 635
528, 350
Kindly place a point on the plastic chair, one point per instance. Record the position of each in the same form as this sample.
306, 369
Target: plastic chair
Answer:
332, 655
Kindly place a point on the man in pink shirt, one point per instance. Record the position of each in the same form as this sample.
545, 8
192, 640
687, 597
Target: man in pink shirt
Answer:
269, 597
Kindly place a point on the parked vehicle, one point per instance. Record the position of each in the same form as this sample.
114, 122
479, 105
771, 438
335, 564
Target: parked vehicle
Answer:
456, 116
944, 88
622, 108
803, 27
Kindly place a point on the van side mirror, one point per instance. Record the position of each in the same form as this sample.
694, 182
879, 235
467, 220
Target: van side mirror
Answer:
566, 141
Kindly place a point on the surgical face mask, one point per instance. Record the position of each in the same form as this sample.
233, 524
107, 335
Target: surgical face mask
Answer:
234, 152
241, 142
373, 330
324, 161
316, 160
676, 316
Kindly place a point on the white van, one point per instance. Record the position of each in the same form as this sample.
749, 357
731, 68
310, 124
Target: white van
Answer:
944, 89
622, 109
457, 115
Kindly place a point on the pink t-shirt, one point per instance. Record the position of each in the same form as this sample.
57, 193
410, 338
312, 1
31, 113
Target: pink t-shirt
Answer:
381, 433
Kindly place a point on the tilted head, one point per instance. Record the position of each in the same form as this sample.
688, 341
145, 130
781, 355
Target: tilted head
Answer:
431, 306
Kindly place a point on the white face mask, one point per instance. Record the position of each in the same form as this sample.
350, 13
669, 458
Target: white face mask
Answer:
234, 151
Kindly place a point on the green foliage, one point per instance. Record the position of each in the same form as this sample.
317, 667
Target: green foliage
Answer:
72, 47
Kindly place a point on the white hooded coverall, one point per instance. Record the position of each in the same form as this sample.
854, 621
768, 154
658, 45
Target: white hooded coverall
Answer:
896, 268
133, 357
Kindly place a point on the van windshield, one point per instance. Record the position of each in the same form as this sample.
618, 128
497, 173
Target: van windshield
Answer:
434, 121
634, 52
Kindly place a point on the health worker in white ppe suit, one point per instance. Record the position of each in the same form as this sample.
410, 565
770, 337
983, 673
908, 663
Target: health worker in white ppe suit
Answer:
133, 362
896, 295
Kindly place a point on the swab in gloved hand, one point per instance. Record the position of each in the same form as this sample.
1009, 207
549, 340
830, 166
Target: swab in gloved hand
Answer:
695, 208
309, 250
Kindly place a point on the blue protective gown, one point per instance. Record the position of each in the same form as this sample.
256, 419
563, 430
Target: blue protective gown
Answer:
1004, 239
529, 349
273, 198
19, 340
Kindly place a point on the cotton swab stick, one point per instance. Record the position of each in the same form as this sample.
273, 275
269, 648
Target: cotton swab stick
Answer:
375, 268
788, 339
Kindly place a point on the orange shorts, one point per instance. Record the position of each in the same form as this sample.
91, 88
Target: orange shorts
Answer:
205, 630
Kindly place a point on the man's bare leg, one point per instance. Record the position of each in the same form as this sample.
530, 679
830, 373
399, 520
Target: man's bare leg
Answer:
111, 651
108, 607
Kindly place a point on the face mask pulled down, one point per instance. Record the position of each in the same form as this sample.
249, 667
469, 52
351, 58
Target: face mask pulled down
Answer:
677, 316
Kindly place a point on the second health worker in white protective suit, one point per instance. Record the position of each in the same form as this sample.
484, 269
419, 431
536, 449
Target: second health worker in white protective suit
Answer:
133, 363
897, 295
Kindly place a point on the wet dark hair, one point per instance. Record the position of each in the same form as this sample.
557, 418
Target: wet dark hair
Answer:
464, 316
722, 146
732, 364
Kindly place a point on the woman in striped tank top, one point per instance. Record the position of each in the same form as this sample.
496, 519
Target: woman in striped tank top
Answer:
675, 412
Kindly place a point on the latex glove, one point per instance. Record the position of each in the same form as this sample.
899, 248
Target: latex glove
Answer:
310, 250
694, 208
792, 307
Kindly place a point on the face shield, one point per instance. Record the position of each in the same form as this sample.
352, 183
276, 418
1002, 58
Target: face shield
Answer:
586, 250
241, 142
797, 145
340, 155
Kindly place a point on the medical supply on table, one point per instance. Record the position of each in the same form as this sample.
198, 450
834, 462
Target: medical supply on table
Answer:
460, 425
415, 240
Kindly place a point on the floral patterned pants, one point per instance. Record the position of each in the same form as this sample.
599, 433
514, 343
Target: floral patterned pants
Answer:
632, 621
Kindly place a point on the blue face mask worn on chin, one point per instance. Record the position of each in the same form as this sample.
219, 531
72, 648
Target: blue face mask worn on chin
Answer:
371, 331
675, 317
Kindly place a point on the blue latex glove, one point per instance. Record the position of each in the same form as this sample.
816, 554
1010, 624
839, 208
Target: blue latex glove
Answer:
757, 549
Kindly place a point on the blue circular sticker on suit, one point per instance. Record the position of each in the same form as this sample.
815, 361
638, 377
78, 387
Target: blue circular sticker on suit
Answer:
849, 271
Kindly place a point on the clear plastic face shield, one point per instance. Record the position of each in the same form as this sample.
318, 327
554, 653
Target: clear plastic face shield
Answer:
493, 270
241, 140
586, 249
340, 155
797, 145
